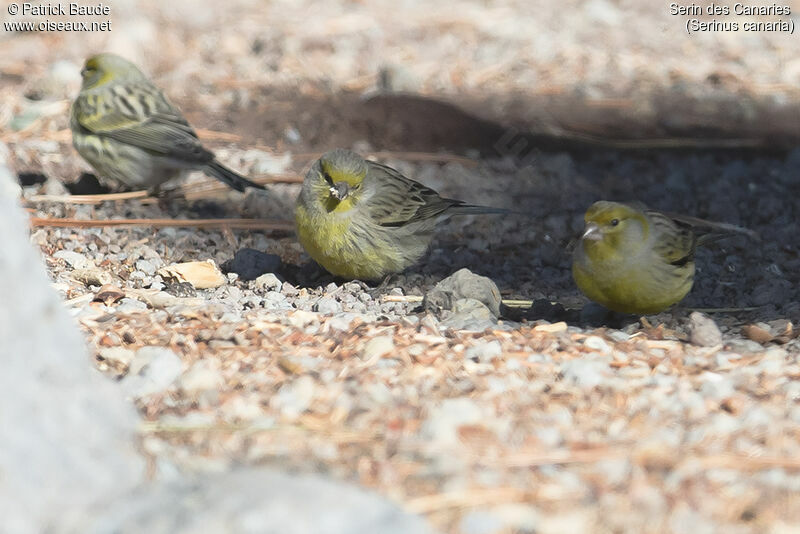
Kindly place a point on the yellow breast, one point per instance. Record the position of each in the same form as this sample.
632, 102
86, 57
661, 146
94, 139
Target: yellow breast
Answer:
330, 239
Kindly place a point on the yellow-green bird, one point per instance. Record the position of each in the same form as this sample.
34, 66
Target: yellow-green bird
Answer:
631, 259
362, 220
126, 128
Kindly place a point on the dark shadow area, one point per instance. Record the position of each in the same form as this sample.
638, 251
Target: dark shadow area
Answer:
87, 184
27, 179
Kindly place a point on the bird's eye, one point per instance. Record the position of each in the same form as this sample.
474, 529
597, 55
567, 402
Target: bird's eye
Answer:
614, 222
327, 178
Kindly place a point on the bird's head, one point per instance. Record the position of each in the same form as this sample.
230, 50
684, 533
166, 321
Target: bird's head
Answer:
337, 179
612, 228
106, 68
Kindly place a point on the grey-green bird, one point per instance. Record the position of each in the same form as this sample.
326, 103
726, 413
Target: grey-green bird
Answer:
632, 259
360, 219
126, 128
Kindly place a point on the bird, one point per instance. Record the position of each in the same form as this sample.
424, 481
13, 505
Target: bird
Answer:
128, 130
363, 220
631, 259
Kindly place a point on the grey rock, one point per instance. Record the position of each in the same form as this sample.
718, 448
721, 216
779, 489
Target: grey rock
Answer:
153, 370
249, 264
470, 314
463, 284
703, 331
259, 501
68, 436
327, 305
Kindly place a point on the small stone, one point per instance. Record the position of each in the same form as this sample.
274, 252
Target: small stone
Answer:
92, 276
553, 328
200, 274
250, 263
703, 331
302, 318
128, 305
484, 351
146, 266
377, 347
269, 282
73, 259
463, 284
152, 370
119, 356
327, 305
597, 343
758, 333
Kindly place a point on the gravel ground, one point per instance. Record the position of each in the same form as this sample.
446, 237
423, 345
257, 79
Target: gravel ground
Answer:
551, 419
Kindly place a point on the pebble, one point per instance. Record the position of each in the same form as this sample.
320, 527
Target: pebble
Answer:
464, 284
484, 351
327, 305
92, 276
470, 315
597, 343
301, 318
73, 259
268, 281
116, 355
377, 347
200, 274
146, 266
129, 305
703, 331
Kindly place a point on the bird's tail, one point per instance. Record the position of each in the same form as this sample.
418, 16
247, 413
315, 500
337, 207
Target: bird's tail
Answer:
712, 231
473, 209
232, 178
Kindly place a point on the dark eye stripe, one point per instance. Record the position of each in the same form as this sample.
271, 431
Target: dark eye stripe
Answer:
327, 178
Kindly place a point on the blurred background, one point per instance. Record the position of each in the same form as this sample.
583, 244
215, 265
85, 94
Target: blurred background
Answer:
296, 75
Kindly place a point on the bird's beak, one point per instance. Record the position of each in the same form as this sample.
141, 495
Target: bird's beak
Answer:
592, 232
339, 190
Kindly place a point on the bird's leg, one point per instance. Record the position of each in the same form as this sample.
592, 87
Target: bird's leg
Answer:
380, 289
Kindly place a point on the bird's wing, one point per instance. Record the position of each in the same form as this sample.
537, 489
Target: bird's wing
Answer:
142, 117
674, 240
398, 201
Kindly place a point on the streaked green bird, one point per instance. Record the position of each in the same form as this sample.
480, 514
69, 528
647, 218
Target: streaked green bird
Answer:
126, 129
631, 259
362, 220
